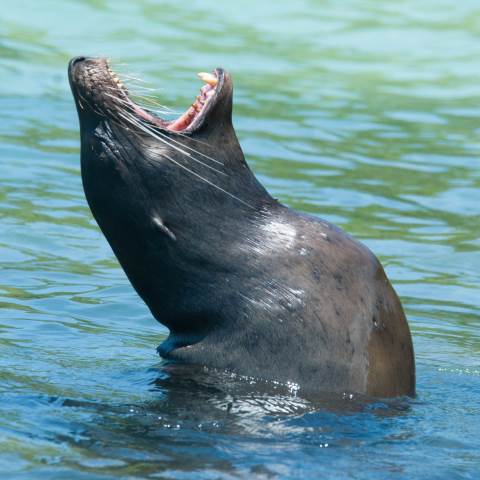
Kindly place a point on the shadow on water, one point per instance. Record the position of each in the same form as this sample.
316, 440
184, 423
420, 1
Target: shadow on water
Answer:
203, 420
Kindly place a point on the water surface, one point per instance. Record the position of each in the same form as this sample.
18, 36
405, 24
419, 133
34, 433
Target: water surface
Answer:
365, 113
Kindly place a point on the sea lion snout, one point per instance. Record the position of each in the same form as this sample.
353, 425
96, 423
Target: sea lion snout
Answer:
75, 60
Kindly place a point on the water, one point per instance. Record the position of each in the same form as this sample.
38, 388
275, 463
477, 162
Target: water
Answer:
363, 112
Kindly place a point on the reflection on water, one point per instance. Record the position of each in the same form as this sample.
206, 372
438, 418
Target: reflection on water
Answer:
363, 112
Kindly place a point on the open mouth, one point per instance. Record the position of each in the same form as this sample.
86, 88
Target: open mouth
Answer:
100, 89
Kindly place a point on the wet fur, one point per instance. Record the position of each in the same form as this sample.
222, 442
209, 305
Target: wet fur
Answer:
242, 282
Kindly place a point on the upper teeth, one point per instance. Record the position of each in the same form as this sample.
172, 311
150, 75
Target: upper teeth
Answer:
115, 78
208, 78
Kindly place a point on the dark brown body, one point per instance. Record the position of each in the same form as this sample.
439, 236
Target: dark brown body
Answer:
311, 305
242, 282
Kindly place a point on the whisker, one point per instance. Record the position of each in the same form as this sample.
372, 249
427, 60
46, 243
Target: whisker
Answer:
190, 148
113, 89
146, 102
132, 77
88, 104
148, 89
171, 139
129, 104
154, 102
208, 181
168, 138
130, 118
163, 138
118, 99
113, 62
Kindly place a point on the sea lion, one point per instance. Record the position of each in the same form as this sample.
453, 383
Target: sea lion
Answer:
243, 282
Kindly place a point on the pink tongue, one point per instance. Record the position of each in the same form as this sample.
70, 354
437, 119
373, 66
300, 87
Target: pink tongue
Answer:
143, 114
184, 121
187, 118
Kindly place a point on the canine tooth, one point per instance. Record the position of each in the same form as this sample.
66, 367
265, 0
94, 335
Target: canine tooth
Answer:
208, 78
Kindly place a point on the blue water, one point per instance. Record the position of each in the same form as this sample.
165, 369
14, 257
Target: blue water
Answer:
365, 113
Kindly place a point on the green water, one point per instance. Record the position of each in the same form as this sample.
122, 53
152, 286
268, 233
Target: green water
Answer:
366, 113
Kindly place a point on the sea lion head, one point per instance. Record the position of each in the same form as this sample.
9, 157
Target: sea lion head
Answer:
170, 196
201, 143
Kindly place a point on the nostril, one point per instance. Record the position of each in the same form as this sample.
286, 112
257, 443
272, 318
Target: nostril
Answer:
76, 60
